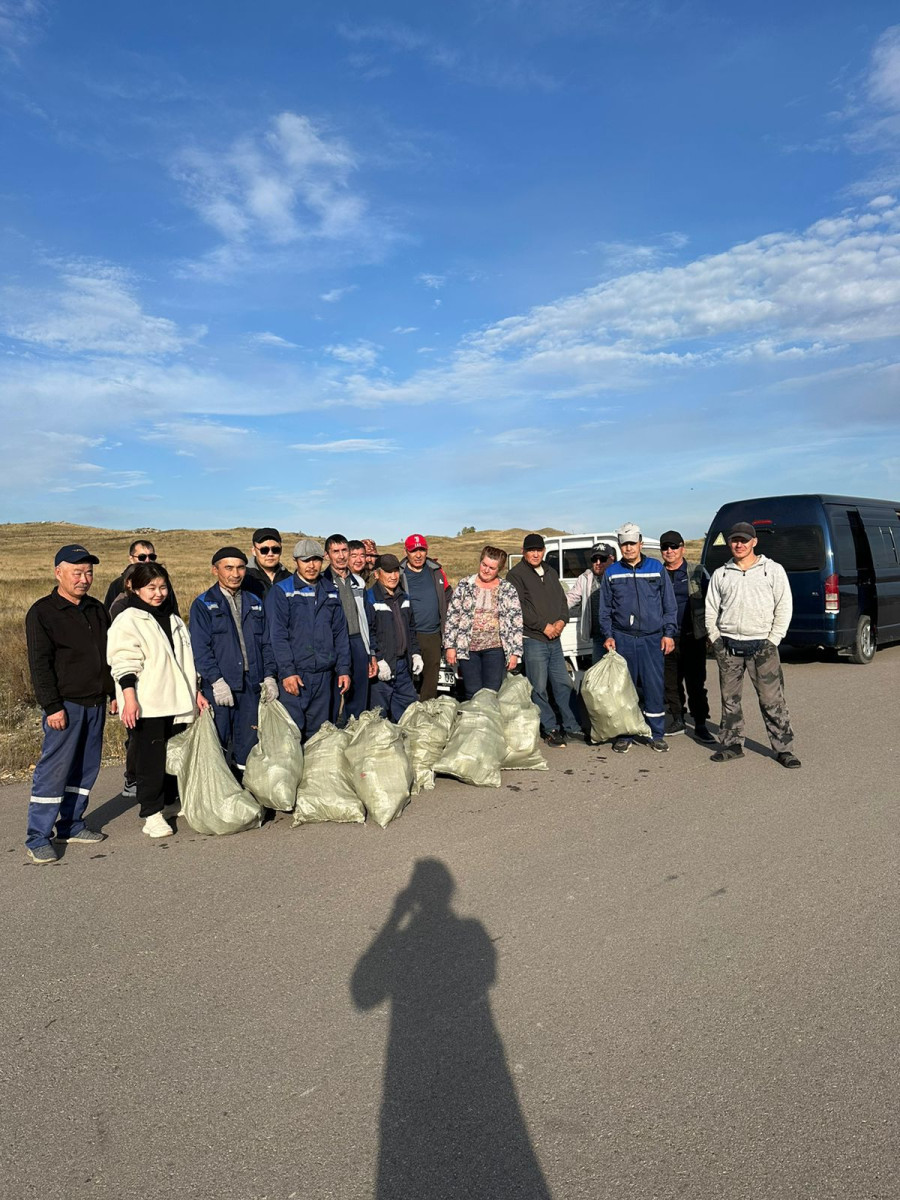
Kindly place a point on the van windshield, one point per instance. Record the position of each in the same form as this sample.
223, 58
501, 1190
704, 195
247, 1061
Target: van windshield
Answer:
796, 547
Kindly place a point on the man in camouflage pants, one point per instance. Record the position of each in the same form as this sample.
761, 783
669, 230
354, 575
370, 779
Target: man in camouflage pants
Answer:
748, 610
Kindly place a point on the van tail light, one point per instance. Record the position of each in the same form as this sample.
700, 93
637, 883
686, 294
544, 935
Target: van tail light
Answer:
832, 595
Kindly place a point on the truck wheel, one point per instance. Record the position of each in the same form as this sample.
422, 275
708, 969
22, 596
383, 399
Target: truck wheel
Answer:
863, 648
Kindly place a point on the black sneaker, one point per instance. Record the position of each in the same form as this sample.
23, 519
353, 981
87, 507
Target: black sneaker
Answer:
578, 735
674, 725
555, 737
788, 760
622, 745
727, 753
702, 734
660, 745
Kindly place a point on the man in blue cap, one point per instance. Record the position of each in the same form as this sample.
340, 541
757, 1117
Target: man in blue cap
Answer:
66, 637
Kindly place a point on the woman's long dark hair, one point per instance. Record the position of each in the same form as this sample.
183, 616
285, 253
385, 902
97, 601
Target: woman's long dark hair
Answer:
145, 573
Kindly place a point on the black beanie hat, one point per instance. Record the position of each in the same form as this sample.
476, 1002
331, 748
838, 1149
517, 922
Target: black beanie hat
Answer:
229, 552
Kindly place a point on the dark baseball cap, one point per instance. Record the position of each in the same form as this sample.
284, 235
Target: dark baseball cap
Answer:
533, 541
74, 554
389, 562
602, 550
672, 536
742, 529
263, 535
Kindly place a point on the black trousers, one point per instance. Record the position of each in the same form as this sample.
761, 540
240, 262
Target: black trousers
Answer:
686, 669
430, 649
155, 789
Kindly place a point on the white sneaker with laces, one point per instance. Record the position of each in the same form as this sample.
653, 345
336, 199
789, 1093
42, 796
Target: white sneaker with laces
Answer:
157, 826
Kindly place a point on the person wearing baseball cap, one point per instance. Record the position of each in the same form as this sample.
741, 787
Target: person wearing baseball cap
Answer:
685, 667
748, 611
429, 593
309, 639
267, 567
395, 633
583, 597
545, 615
232, 655
66, 635
637, 617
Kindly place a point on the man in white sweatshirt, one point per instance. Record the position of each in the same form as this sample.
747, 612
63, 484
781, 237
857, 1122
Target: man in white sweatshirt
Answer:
748, 610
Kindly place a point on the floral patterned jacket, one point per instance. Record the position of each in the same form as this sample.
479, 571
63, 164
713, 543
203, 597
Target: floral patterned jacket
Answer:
461, 612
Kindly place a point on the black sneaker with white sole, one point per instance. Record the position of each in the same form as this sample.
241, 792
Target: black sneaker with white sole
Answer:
660, 745
555, 737
674, 725
622, 745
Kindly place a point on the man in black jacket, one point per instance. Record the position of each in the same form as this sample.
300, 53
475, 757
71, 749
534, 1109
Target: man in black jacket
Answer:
66, 636
267, 567
394, 632
545, 615
138, 552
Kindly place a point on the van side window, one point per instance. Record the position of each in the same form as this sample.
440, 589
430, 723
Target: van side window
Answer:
551, 558
575, 561
884, 550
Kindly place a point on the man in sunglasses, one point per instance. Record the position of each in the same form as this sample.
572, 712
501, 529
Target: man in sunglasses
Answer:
584, 595
686, 665
138, 552
748, 611
267, 568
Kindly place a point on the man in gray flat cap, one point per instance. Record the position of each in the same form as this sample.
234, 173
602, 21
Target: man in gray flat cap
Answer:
309, 638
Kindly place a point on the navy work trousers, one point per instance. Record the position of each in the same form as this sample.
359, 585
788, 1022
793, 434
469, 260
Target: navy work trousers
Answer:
65, 773
237, 726
312, 708
356, 700
646, 666
394, 696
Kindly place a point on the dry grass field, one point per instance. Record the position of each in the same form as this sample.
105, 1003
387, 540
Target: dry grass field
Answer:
26, 555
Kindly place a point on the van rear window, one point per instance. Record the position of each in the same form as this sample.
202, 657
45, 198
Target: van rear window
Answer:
796, 547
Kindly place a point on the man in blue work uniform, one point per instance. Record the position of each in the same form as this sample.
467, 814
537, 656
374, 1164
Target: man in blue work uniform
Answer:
309, 639
398, 647
637, 617
232, 654
66, 637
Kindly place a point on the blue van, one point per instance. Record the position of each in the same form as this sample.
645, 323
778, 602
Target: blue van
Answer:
842, 557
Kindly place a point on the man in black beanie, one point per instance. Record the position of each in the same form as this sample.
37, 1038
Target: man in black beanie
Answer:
267, 567
545, 615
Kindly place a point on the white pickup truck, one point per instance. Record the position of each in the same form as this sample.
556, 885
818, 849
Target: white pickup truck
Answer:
569, 555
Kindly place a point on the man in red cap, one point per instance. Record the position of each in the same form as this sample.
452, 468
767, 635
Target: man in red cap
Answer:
429, 594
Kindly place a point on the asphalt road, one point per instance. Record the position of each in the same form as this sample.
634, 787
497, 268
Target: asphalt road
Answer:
636, 976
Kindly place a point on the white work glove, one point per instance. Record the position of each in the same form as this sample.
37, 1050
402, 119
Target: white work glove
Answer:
269, 690
418, 666
222, 694
384, 671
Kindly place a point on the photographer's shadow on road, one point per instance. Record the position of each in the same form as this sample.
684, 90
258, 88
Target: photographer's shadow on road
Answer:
451, 1124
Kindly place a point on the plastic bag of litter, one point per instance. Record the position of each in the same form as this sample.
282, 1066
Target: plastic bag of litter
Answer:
476, 746
326, 790
611, 700
382, 774
275, 764
426, 726
521, 726
212, 800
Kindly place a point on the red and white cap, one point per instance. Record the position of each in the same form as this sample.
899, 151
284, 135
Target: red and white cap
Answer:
415, 541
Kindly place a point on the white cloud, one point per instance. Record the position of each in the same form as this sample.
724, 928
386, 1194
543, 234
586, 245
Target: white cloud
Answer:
348, 446
288, 185
272, 339
405, 329
20, 22
432, 281
337, 294
883, 83
201, 436
93, 309
362, 354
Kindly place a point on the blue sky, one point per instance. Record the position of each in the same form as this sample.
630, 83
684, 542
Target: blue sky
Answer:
397, 267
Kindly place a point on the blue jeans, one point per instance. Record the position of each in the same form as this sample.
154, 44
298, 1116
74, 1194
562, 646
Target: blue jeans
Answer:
356, 701
545, 661
483, 669
65, 773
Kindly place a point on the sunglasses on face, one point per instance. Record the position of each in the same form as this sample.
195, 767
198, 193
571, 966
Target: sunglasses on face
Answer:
270, 549
670, 545
600, 558
145, 557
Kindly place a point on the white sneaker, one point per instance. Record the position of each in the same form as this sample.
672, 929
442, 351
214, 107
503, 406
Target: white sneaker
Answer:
157, 826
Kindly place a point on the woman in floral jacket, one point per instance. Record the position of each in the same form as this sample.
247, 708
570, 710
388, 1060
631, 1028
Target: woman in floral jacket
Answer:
483, 631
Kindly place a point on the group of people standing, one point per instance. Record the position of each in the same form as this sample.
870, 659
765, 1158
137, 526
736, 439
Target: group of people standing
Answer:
368, 631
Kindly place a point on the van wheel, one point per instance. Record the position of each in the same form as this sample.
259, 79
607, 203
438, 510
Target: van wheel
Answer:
863, 648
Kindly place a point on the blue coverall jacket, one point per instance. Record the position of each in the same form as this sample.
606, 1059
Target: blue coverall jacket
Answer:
214, 640
307, 628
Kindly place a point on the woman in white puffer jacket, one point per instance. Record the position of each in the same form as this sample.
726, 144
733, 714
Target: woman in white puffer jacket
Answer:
149, 653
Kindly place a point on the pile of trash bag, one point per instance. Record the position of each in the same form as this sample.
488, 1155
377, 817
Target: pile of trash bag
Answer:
212, 800
326, 791
521, 726
611, 700
426, 726
275, 764
477, 745
380, 767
